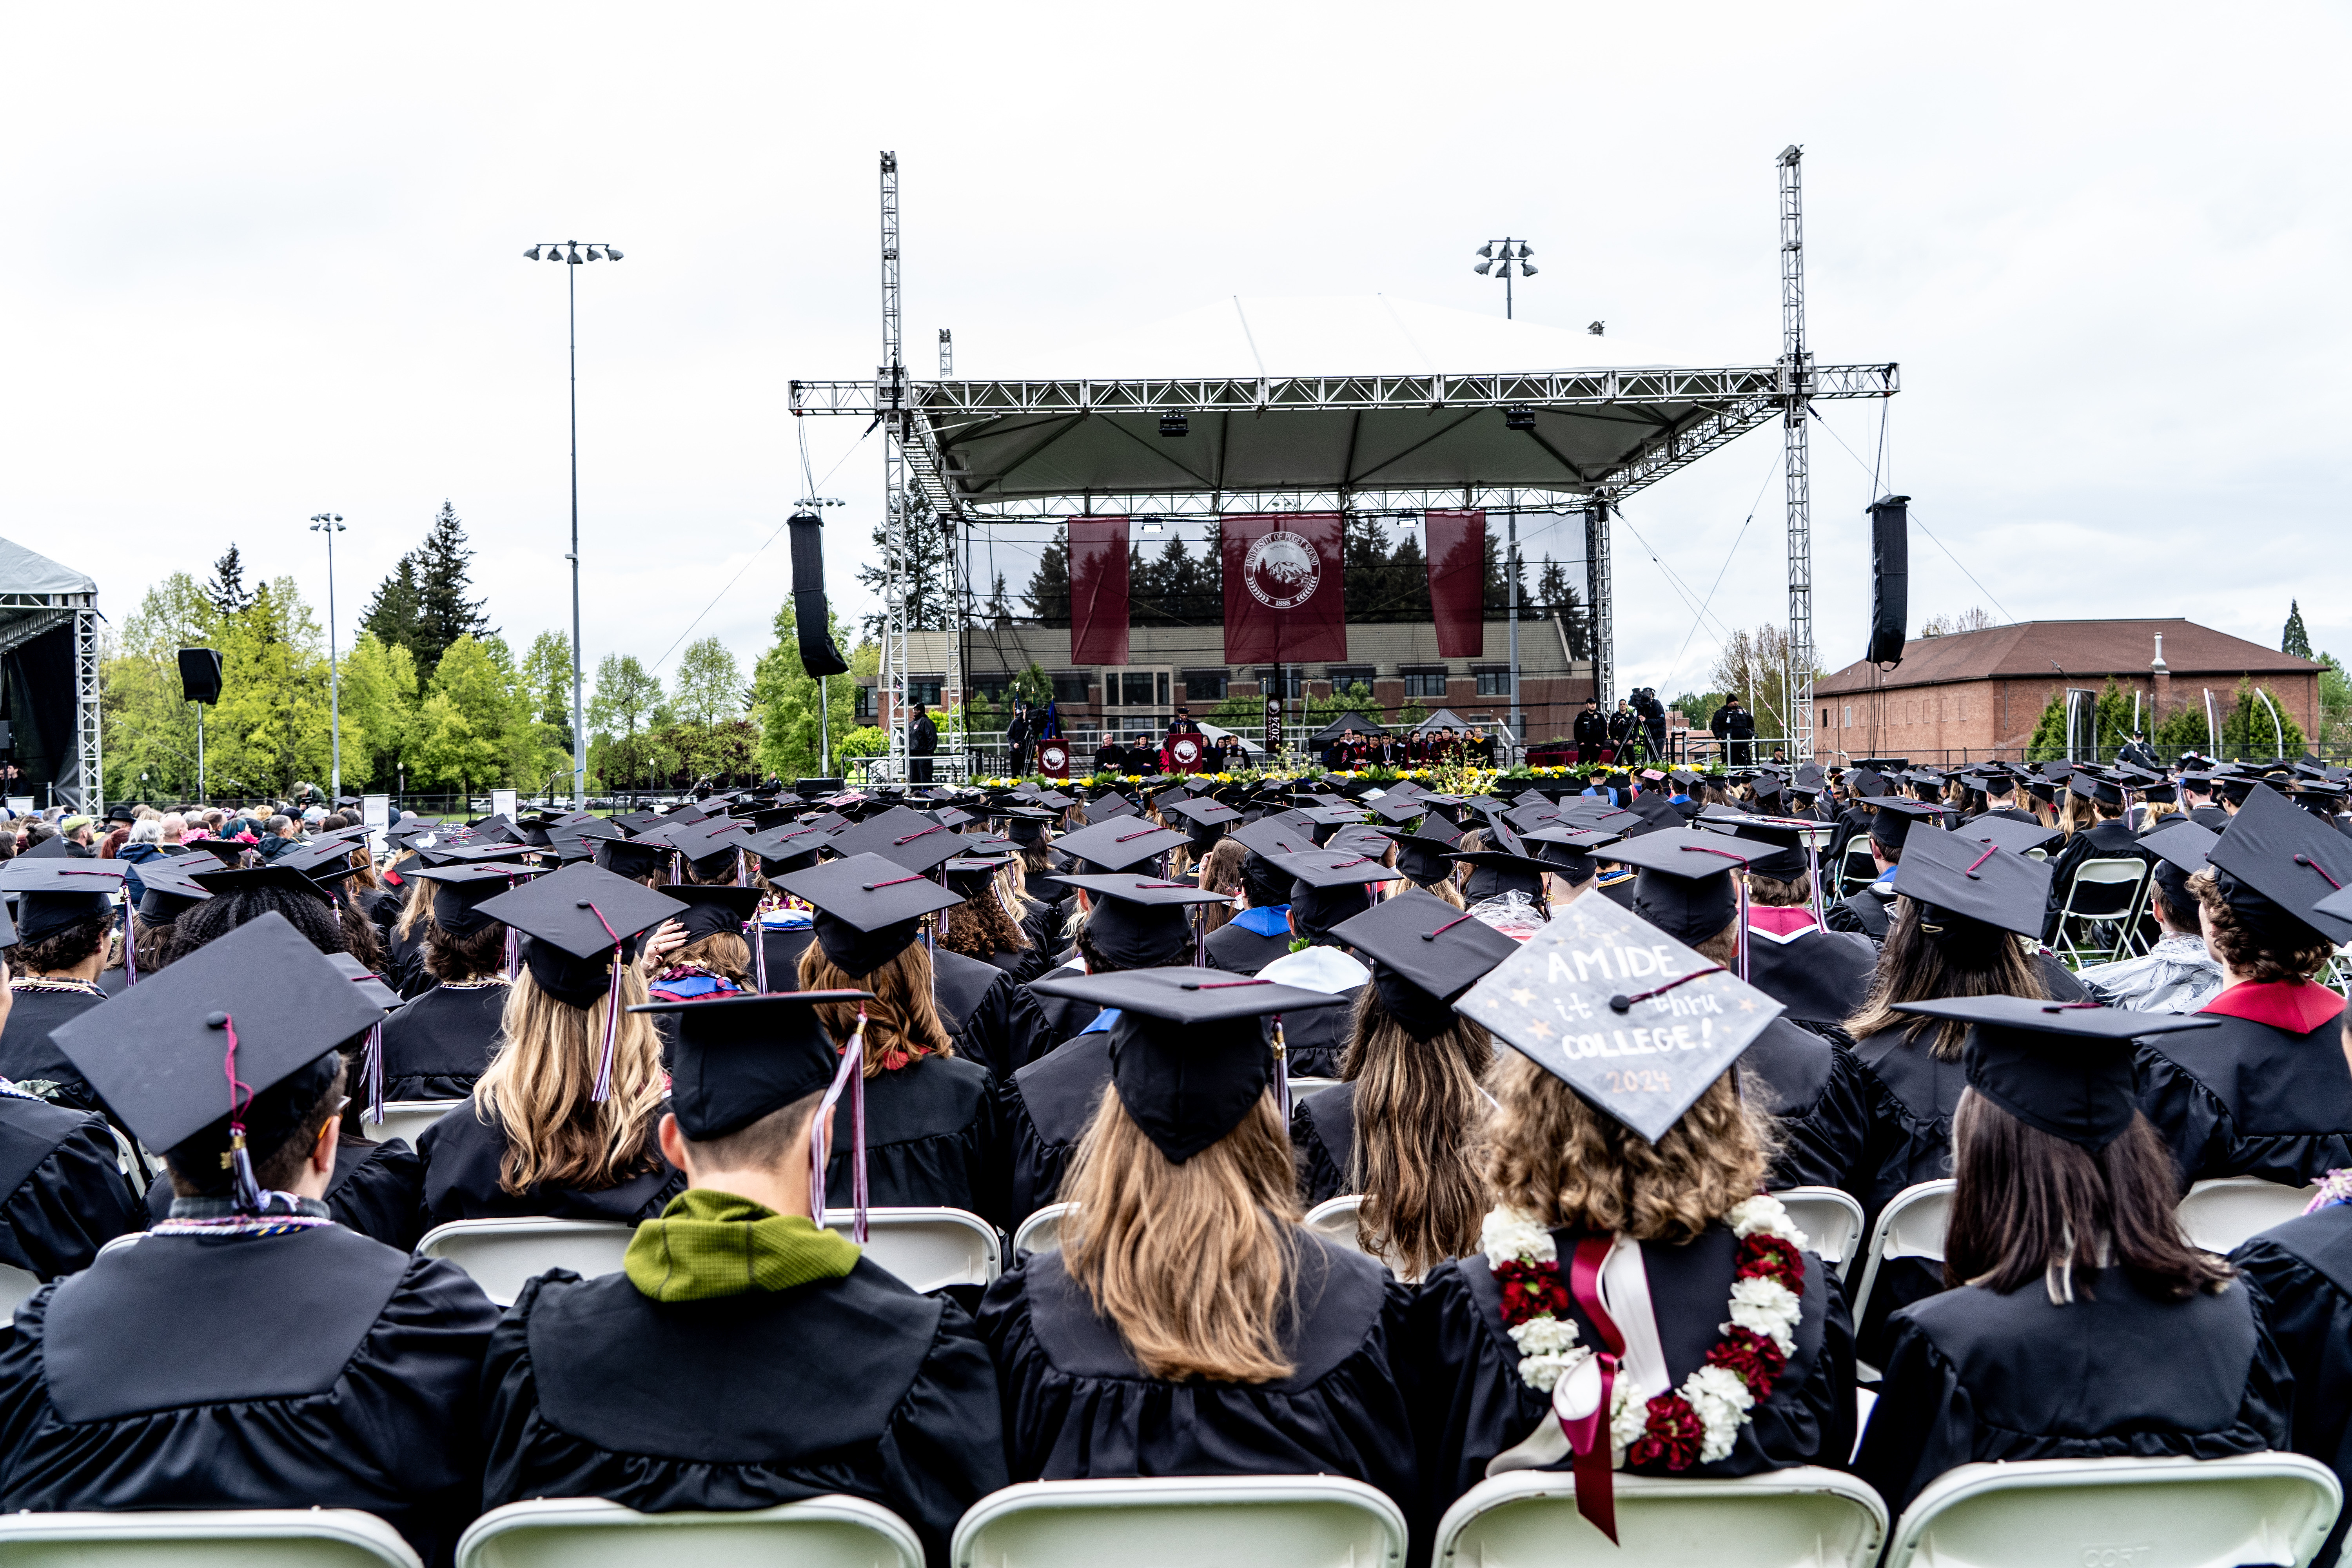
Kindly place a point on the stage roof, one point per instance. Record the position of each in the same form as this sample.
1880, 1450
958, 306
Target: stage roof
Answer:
37, 593
1320, 404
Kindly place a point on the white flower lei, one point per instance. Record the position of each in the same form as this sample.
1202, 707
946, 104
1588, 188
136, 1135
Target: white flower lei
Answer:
1549, 1349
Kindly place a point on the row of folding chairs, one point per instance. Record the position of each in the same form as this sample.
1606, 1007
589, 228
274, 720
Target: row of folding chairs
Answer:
2045, 1514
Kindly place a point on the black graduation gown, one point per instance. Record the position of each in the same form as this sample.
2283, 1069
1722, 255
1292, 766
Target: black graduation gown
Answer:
1230, 947
2245, 1099
856, 1385
1314, 1042
1820, 975
1811, 1082
2212, 817
1861, 910
67, 1193
27, 1054
930, 1141
2009, 814
462, 1153
1076, 1405
1323, 1137
2304, 1269
312, 1369
377, 1190
404, 957
1045, 1109
1064, 1015
994, 1018
784, 945
2119, 1374
1910, 1096
1470, 1405
435, 1046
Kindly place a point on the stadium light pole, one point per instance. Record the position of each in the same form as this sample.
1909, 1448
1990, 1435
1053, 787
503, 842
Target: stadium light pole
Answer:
330, 524
572, 253
1498, 258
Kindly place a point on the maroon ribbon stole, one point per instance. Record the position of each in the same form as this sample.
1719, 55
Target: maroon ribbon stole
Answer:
1588, 1436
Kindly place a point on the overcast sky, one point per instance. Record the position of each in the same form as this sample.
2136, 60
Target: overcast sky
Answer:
265, 261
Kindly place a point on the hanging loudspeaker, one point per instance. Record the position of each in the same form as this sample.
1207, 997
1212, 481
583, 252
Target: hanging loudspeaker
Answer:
810, 617
1890, 577
200, 675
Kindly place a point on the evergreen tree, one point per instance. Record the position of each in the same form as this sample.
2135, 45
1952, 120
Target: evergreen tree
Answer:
227, 592
2295, 641
444, 613
1049, 586
1551, 589
1409, 577
1000, 609
930, 576
391, 614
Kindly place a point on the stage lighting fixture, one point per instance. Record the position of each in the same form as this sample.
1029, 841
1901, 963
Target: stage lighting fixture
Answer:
1155, 528
574, 259
611, 254
1594, 326
1175, 425
1526, 251
1519, 417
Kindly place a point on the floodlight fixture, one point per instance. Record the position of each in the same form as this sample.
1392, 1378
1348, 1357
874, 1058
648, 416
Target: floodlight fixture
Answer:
1155, 528
1176, 423
1508, 259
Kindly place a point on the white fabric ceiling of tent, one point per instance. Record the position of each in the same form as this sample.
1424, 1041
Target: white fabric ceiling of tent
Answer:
23, 571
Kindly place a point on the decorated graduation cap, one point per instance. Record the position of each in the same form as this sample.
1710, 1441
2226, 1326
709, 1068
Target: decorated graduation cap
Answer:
868, 907
2062, 1067
1684, 886
715, 910
2276, 863
214, 1069
460, 891
59, 891
1424, 952
1952, 875
1121, 842
1635, 1021
1187, 1085
736, 1058
580, 923
1142, 923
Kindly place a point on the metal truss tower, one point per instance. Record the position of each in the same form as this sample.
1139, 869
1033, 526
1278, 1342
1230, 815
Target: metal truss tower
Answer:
1601, 601
890, 407
1796, 386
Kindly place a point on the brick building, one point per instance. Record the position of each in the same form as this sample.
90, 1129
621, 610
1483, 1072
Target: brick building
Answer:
1982, 692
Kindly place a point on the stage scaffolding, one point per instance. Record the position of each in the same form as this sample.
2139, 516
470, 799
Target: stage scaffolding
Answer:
964, 454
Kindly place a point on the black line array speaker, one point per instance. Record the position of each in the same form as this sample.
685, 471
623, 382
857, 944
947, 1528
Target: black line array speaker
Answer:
811, 619
1890, 577
200, 674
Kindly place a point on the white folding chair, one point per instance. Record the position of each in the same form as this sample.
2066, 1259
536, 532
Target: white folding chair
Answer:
1910, 1226
2219, 1214
927, 1247
17, 1288
503, 1255
1806, 1517
127, 1156
1183, 1522
2134, 1513
1857, 867
405, 1119
1832, 1222
590, 1532
1042, 1231
2104, 892
204, 1538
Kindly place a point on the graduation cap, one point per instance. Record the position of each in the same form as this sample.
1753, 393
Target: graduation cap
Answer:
1635, 1021
325, 862
714, 910
228, 851
2276, 863
1140, 922
57, 891
252, 879
631, 857
1684, 887
1891, 823
2011, 835
1119, 843
369, 983
2181, 847
2090, 788
789, 848
1362, 838
2062, 1067
459, 892
1110, 806
710, 845
579, 922
1422, 854
1205, 817
1505, 864
1954, 875
1184, 1085
867, 907
210, 1066
1327, 886
1868, 785
1567, 851
1424, 952
736, 1058
1393, 807
168, 892
1776, 845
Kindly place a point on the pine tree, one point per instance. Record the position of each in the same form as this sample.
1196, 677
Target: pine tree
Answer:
391, 614
930, 578
1000, 610
2295, 641
1049, 586
443, 614
227, 592
1552, 591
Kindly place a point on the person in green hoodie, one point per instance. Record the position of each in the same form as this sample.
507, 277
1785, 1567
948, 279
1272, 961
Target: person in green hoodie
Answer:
745, 1356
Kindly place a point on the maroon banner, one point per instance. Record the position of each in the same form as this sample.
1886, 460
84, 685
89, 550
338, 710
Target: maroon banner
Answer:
1053, 758
1185, 755
1285, 597
1098, 590
1457, 581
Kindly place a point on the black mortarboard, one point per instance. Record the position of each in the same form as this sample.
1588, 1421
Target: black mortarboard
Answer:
1328, 887
1115, 844
326, 861
2101, 790
1272, 836
1421, 854
365, 981
1184, 1085
736, 1058
1955, 875
1360, 838
628, 857
1890, 824
1424, 954
2011, 835
1110, 806
228, 851
459, 892
1635, 1021
715, 910
574, 919
1395, 808
2275, 862
1503, 866
867, 907
1567, 849
57, 891
1685, 887
901, 836
789, 848
2062, 1067
168, 892
1777, 844
710, 846
1140, 922
161, 1053
2180, 849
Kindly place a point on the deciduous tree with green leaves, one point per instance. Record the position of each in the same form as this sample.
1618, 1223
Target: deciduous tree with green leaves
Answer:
784, 703
708, 686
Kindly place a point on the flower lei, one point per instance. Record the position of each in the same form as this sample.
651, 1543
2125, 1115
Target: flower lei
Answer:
1700, 1422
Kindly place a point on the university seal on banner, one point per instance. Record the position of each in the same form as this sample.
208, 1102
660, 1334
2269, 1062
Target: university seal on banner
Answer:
1282, 570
